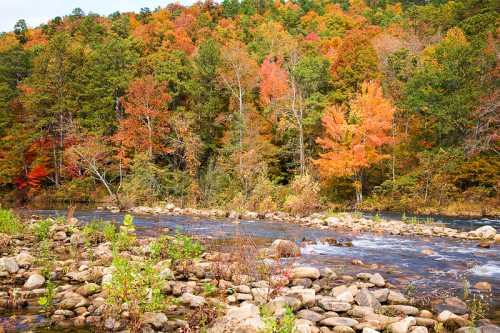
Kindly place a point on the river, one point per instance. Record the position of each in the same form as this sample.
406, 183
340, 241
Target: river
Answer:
399, 258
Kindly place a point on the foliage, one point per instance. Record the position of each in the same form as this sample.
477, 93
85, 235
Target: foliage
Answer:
275, 325
217, 105
304, 196
137, 285
42, 229
9, 222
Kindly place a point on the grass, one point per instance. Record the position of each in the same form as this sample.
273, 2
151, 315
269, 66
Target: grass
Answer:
42, 229
10, 223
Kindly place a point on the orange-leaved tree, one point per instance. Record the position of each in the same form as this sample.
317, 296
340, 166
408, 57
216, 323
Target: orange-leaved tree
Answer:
146, 123
353, 137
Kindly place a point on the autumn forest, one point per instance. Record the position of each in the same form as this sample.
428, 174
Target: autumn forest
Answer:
257, 105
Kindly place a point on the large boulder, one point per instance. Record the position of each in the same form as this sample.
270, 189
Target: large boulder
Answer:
282, 248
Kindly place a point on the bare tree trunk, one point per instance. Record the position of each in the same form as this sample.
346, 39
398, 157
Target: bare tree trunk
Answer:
241, 124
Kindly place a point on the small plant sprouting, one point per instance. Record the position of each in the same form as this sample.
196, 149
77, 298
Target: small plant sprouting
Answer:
377, 218
209, 289
42, 229
47, 300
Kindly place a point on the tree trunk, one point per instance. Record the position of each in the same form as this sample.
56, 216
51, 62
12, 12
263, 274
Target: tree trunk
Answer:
358, 186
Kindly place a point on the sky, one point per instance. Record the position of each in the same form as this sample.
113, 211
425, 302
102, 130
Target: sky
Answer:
36, 12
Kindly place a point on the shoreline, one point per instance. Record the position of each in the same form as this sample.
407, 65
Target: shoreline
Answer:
334, 221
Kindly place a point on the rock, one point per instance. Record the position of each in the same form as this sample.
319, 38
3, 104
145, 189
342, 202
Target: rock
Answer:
428, 252
419, 329
455, 305
331, 304
8, 265
302, 272
24, 259
360, 311
88, 289
381, 294
402, 326
343, 329
243, 319
403, 309
377, 280
282, 248
365, 298
345, 296
243, 297
156, 319
310, 315
60, 236
306, 296
485, 232
34, 281
339, 321
192, 300
489, 329
483, 285
72, 301
428, 322
445, 315
369, 330
261, 295
396, 297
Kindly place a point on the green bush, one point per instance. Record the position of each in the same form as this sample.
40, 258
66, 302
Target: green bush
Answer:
9, 222
184, 247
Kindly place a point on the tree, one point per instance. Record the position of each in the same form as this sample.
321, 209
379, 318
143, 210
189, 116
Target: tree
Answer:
49, 94
20, 30
239, 75
146, 122
94, 156
352, 139
286, 88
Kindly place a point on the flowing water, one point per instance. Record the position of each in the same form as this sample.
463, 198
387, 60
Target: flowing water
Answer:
399, 258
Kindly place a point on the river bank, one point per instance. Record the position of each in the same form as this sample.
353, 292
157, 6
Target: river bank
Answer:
355, 222
225, 290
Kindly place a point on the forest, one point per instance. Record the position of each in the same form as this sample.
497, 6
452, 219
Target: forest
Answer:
257, 105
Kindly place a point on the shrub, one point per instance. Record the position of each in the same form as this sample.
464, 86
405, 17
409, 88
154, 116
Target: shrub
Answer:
183, 247
304, 196
9, 222
136, 284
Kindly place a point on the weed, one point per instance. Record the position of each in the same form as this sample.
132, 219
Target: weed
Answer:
404, 218
47, 300
9, 222
184, 247
377, 218
272, 324
438, 327
136, 284
209, 289
42, 229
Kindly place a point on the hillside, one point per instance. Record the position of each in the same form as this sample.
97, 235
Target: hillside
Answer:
257, 105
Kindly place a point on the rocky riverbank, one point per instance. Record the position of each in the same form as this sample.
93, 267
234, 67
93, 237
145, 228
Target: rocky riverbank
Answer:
341, 221
97, 276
